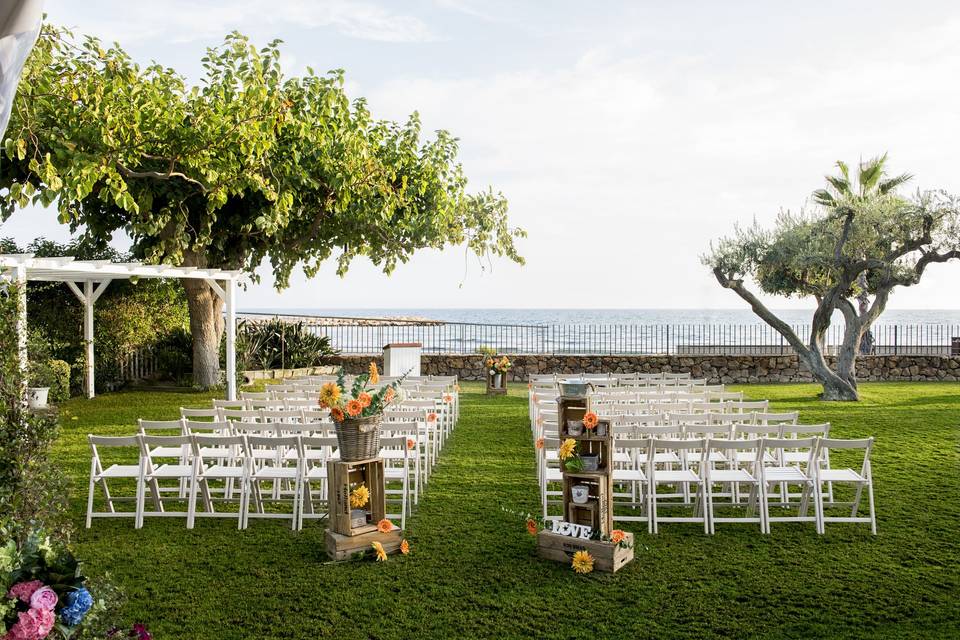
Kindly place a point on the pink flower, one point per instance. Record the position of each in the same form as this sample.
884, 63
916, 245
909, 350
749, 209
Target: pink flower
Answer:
44, 598
23, 591
34, 624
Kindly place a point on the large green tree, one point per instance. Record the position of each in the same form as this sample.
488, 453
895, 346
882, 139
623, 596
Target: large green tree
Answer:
248, 166
858, 242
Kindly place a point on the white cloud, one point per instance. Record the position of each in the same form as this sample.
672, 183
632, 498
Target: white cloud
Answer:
178, 21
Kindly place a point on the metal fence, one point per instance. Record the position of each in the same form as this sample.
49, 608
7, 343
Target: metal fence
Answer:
619, 339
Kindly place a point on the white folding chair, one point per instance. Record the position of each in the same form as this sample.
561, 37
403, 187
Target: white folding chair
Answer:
230, 469
742, 467
783, 475
684, 477
635, 476
153, 449
399, 473
273, 470
100, 475
316, 452
860, 479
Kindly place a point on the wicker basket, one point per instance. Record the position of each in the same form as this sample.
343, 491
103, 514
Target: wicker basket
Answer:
359, 438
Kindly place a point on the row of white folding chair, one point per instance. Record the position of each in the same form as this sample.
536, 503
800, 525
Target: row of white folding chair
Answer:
236, 458
745, 465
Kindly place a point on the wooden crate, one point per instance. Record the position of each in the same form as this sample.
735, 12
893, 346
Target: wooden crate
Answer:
607, 556
496, 391
344, 477
341, 547
570, 409
597, 513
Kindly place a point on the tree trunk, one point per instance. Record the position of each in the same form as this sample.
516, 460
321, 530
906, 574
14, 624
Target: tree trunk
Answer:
206, 327
835, 387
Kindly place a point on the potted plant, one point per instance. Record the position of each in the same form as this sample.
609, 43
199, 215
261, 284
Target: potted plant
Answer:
40, 377
357, 412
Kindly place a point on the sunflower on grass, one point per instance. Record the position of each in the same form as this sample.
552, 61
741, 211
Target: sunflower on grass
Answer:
379, 551
582, 562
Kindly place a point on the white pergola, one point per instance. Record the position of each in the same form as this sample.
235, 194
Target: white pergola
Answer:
88, 279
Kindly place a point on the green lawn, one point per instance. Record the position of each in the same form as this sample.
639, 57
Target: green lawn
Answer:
474, 571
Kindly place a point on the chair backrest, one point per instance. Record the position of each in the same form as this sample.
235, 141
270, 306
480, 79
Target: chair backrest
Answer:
168, 426
254, 428
743, 406
244, 415
187, 412
221, 427
254, 395
750, 431
281, 443
113, 441
805, 430
282, 415
229, 404
315, 415
776, 447
787, 417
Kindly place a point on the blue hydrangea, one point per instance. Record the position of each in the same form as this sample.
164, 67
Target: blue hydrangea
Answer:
78, 603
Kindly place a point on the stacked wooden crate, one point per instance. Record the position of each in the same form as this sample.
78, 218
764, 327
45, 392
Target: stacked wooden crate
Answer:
353, 531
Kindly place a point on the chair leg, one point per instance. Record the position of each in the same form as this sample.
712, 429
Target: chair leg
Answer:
856, 501
192, 504
818, 507
90, 500
873, 514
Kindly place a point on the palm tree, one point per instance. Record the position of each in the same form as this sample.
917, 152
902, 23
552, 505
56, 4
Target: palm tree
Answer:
871, 182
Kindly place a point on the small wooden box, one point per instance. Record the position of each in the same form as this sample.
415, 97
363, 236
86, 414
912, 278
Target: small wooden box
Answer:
570, 409
344, 477
496, 391
341, 547
607, 556
597, 513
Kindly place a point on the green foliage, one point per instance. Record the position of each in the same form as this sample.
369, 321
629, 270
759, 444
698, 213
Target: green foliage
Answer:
60, 389
247, 166
793, 583
128, 316
277, 344
32, 491
173, 354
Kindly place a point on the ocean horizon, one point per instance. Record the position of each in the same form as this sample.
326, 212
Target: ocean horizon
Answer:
543, 316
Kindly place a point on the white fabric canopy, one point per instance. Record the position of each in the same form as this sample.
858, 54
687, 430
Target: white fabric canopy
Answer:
19, 28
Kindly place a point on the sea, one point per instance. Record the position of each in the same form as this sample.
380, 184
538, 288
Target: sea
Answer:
610, 331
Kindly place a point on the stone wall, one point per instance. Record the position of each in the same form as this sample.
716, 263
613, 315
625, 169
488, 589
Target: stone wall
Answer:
727, 369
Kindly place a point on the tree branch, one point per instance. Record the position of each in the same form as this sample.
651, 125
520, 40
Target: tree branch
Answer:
160, 175
760, 309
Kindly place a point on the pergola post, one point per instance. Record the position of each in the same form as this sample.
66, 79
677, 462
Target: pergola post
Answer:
229, 290
20, 282
88, 298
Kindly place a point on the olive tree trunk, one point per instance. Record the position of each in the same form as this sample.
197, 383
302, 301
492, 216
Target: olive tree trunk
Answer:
206, 328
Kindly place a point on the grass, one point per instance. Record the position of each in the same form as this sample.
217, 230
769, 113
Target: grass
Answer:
474, 571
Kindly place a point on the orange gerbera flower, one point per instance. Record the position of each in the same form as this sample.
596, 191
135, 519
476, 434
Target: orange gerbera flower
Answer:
389, 395
404, 547
531, 526
354, 408
448, 398
374, 374
385, 526
590, 420
617, 536
337, 414
411, 443
381, 553
364, 399
431, 417
539, 443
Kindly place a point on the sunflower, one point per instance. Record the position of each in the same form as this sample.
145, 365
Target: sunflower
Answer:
385, 526
590, 420
354, 408
567, 448
582, 562
617, 536
531, 526
374, 374
378, 548
330, 394
539, 443
359, 497
404, 547
364, 399
336, 413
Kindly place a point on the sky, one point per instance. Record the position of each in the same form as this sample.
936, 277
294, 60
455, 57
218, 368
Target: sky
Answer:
625, 135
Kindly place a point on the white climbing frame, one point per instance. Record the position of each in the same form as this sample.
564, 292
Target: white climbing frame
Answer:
96, 275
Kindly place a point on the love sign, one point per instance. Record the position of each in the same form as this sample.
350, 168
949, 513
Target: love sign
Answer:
570, 530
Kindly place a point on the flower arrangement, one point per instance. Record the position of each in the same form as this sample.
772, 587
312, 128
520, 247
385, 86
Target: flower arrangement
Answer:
568, 455
44, 593
361, 399
498, 365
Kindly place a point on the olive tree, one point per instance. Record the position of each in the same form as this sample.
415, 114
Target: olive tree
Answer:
247, 167
856, 242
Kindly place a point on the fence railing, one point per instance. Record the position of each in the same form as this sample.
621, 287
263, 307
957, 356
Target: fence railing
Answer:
621, 339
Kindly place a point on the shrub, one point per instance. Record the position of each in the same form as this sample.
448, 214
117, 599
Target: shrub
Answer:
173, 354
276, 344
60, 389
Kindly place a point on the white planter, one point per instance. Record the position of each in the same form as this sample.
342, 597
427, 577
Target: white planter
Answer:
37, 397
580, 493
